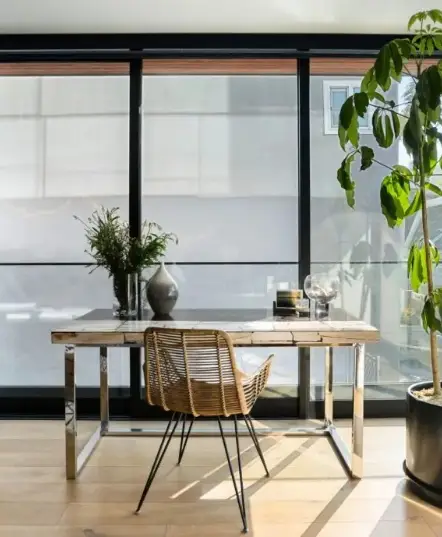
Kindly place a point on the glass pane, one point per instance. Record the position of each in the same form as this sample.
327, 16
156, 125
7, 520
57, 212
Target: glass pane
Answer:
220, 170
334, 115
415, 338
225, 181
338, 97
64, 151
38, 299
364, 121
368, 256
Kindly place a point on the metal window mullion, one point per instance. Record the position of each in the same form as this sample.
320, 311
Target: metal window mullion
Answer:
135, 193
304, 218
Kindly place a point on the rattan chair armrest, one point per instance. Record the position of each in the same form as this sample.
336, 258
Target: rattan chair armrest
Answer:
254, 384
247, 378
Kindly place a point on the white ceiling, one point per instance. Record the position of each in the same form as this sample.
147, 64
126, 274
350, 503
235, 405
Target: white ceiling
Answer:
297, 16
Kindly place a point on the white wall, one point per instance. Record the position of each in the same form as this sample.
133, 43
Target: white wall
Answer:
297, 16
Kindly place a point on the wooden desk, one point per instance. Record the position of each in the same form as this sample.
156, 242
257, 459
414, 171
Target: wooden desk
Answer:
247, 328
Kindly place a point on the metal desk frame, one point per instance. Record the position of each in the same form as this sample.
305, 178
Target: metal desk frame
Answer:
351, 457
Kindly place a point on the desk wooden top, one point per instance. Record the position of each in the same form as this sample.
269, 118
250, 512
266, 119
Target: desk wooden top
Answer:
245, 327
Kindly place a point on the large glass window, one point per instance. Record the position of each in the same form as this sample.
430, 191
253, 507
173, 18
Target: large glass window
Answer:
220, 170
64, 152
358, 246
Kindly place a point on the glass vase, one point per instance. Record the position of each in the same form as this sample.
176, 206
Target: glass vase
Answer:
322, 289
126, 296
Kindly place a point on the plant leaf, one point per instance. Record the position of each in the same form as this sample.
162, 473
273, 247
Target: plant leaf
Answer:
416, 272
430, 159
419, 16
412, 134
378, 97
347, 112
435, 254
405, 47
429, 319
367, 156
343, 138
350, 195
353, 132
433, 86
394, 199
415, 205
389, 137
429, 46
396, 124
403, 171
410, 263
378, 130
434, 188
345, 180
437, 39
361, 103
435, 15
382, 67
396, 57
369, 84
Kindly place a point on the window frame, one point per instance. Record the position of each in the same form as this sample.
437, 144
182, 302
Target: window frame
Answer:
349, 85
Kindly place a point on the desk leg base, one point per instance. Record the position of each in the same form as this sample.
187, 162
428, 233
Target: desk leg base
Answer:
77, 459
86, 452
351, 462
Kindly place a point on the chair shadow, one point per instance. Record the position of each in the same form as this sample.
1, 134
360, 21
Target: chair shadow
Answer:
249, 455
190, 490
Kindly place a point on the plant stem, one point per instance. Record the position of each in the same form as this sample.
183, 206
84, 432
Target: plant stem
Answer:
433, 341
382, 164
410, 74
388, 109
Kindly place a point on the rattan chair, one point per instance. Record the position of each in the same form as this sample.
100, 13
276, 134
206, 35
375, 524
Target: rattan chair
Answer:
193, 373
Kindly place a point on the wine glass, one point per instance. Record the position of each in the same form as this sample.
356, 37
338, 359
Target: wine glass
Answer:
322, 288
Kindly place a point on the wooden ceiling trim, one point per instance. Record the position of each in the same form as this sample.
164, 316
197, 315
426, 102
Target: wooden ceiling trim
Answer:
211, 66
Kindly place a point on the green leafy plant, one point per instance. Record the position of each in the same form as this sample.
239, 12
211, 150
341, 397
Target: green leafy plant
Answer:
112, 247
417, 123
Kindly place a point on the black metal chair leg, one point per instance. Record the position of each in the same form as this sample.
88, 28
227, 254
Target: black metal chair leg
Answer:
252, 432
241, 481
239, 498
159, 458
184, 439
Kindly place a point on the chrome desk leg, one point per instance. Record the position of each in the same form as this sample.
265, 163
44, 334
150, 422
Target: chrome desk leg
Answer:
75, 459
328, 387
357, 439
104, 392
70, 412
351, 458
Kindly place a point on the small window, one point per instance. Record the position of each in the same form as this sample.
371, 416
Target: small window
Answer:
335, 94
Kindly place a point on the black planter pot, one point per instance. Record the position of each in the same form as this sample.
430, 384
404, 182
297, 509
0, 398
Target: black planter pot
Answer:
423, 464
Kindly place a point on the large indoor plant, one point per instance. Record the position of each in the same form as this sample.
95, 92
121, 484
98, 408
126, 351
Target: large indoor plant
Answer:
122, 256
404, 191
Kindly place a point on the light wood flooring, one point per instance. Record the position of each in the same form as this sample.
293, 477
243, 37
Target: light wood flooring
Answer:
308, 494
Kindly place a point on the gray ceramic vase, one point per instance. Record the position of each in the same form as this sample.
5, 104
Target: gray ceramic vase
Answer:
162, 291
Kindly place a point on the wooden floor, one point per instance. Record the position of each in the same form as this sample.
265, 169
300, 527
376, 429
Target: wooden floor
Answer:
307, 495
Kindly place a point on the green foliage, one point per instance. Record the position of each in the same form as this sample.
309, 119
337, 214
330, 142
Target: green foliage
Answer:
112, 247
418, 124
432, 311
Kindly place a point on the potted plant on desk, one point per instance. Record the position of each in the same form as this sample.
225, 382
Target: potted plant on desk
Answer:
124, 257
403, 192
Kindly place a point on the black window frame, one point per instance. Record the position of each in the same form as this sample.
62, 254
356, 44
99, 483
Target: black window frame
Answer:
48, 402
